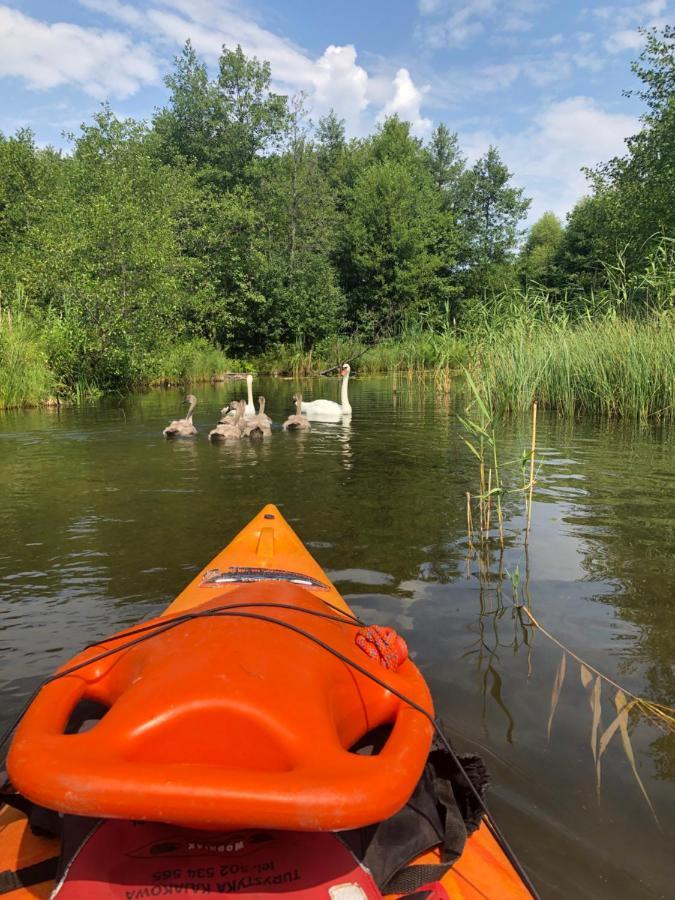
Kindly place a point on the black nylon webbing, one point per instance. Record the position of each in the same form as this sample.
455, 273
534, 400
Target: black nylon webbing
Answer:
412, 878
45, 870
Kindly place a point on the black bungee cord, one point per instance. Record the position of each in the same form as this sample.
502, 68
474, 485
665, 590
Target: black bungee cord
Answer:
235, 611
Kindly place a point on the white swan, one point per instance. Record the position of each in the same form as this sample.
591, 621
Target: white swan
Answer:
250, 408
228, 412
329, 407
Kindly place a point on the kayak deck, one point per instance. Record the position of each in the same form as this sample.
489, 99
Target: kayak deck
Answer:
268, 545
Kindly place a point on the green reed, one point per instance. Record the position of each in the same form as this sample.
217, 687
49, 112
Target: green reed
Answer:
615, 367
480, 438
192, 361
25, 376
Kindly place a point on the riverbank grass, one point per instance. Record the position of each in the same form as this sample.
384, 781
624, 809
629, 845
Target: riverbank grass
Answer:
614, 367
192, 361
611, 366
25, 376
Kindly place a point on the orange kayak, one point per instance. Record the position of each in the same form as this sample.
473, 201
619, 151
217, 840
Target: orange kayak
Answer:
238, 709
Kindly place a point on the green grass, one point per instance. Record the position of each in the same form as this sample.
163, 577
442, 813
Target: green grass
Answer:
192, 361
615, 367
25, 376
606, 366
411, 352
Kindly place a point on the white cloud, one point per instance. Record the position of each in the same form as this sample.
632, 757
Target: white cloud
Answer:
626, 39
496, 77
341, 84
547, 70
129, 15
334, 80
543, 70
590, 61
406, 103
458, 21
455, 29
102, 63
427, 7
116, 63
548, 155
627, 19
653, 7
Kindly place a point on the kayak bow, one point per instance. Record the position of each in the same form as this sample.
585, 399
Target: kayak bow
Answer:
240, 707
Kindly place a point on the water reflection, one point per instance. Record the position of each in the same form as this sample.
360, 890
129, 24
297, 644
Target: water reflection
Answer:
103, 521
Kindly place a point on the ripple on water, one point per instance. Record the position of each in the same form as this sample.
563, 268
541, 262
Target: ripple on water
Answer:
359, 576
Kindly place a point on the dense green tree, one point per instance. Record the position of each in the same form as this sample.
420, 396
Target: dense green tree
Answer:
585, 244
536, 261
220, 126
638, 189
18, 183
221, 240
187, 127
331, 144
304, 301
27, 177
398, 248
103, 260
447, 165
492, 213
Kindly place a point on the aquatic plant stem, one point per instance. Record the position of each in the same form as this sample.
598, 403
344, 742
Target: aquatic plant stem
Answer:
533, 448
489, 502
650, 707
469, 520
498, 486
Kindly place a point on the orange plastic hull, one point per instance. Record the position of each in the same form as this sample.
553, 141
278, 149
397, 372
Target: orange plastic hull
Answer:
269, 542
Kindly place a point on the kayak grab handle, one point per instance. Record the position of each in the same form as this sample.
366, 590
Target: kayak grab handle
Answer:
230, 720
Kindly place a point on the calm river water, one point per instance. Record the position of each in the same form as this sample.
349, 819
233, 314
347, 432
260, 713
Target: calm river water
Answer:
102, 521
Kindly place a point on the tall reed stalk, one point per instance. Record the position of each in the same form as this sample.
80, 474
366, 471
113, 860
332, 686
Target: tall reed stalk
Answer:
478, 422
25, 375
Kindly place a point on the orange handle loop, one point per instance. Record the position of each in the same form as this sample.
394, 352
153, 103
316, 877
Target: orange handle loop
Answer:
227, 722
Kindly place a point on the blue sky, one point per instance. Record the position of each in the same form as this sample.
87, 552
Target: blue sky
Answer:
542, 80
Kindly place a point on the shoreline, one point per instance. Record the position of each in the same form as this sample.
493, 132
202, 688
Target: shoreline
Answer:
617, 368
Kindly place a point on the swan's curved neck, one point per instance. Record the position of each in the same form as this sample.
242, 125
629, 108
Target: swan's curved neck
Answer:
261, 406
191, 409
298, 405
249, 384
344, 399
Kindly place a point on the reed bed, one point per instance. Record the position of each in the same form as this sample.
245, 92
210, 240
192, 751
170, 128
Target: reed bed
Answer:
25, 376
192, 361
610, 366
614, 367
410, 352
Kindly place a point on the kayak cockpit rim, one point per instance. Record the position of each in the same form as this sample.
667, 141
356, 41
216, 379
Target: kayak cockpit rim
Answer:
250, 574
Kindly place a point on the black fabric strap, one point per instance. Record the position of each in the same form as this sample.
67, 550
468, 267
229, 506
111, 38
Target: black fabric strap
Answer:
45, 870
43, 822
411, 879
